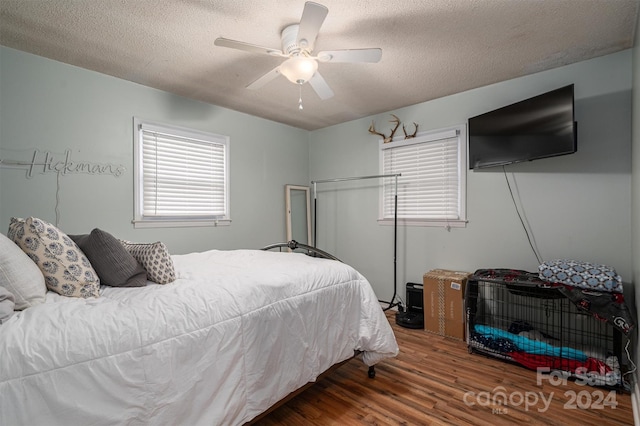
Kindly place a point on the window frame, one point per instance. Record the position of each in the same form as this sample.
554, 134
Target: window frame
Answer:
142, 221
420, 138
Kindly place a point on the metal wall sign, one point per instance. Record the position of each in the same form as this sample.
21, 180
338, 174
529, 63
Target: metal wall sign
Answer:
45, 162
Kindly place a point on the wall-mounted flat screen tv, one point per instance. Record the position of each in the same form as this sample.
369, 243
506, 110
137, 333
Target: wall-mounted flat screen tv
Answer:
538, 127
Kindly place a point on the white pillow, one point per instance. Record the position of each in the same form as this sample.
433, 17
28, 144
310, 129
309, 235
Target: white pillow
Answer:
66, 269
20, 276
7, 305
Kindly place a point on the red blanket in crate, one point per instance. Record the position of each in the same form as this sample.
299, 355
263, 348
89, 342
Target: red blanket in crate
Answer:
556, 363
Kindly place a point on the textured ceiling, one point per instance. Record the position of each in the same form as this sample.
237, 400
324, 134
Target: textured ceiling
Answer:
430, 49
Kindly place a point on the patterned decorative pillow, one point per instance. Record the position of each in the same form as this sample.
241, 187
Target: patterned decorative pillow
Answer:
66, 269
581, 274
155, 258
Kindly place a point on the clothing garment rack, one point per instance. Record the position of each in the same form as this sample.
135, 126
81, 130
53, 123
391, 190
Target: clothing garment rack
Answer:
395, 222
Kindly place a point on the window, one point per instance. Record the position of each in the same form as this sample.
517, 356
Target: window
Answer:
181, 177
431, 188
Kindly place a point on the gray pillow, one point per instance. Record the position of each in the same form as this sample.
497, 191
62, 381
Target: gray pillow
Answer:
112, 262
6, 304
20, 275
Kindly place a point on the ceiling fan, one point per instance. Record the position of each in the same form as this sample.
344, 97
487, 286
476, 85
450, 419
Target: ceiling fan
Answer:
301, 66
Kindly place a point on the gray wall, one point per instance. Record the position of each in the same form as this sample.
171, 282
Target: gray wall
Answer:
635, 194
578, 206
51, 106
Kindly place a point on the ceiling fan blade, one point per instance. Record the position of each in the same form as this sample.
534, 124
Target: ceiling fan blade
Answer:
350, 55
265, 79
320, 86
312, 18
248, 47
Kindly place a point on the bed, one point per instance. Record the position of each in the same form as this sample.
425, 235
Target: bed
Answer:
233, 334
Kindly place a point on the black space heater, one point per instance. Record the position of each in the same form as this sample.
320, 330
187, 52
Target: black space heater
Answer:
413, 316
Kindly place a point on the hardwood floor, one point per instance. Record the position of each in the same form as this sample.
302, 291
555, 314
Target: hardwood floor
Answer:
434, 380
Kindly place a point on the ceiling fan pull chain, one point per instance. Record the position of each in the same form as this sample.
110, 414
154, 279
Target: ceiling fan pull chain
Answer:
300, 98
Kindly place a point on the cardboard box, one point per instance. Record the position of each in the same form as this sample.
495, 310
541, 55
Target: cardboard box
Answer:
444, 302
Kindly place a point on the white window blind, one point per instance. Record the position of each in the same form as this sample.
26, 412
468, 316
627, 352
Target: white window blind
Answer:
182, 175
431, 185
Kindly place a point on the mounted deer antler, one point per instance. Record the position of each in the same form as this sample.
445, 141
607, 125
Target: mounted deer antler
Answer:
385, 139
412, 135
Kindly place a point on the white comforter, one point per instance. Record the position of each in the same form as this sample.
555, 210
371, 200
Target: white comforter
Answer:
236, 332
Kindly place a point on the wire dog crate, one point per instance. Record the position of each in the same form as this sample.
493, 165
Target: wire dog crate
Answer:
534, 324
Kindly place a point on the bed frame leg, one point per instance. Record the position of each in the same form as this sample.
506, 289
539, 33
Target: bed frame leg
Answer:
372, 372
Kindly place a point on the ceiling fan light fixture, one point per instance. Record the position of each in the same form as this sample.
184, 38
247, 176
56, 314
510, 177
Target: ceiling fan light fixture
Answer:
299, 69
298, 44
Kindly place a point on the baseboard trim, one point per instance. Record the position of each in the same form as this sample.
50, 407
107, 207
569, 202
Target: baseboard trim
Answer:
635, 400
